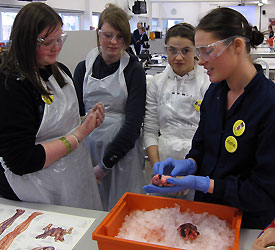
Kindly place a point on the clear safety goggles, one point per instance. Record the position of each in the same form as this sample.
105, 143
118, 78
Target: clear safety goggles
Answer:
50, 43
110, 36
174, 51
212, 51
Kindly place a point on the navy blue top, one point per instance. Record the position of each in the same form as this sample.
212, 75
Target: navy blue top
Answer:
245, 178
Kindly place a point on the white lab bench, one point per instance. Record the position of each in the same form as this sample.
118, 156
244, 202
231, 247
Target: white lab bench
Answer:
155, 68
266, 58
247, 236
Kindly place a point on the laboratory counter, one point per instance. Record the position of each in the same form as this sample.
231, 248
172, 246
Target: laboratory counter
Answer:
265, 54
246, 239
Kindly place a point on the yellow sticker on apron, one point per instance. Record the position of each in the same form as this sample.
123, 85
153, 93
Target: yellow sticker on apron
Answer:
231, 144
197, 105
47, 100
238, 127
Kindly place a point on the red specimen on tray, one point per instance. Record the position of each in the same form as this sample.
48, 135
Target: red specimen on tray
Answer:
161, 180
188, 231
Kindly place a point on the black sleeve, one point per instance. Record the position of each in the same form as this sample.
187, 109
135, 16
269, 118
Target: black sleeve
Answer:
79, 74
125, 140
20, 121
129, 50
136, 36
133, 40
5, 188
145, 38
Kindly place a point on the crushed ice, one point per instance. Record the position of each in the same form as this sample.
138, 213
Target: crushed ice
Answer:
159, 226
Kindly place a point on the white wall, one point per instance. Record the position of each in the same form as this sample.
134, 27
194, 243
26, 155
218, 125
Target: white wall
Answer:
191, 11
77, 46
177, 11
270, 13
67, 4
59, 4
12, 2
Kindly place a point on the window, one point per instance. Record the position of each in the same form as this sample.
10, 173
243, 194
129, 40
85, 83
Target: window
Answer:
71, 21
7, 18
95, 19
248, 11
155, 26
168, 23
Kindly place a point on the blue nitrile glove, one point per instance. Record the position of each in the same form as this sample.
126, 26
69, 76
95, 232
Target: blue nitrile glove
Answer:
175, 167
189, 182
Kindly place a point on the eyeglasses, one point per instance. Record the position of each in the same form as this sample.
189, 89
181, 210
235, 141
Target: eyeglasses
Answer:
49, 43
109, 36
213, 50
173, 51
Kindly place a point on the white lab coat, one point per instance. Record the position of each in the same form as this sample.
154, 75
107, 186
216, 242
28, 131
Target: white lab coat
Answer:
170, 111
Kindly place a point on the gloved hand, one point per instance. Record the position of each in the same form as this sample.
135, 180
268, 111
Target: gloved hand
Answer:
99, 173
175, 167
189, 182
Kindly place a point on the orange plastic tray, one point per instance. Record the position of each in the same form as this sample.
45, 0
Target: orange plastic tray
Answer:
108, 228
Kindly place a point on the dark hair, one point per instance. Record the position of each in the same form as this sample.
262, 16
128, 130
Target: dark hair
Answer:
226, 22
20, 60
142, 29
118, 19
184, 30
255, 28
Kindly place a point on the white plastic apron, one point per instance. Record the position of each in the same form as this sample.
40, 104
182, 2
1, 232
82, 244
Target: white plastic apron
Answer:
127, 175
174, 109
69, 181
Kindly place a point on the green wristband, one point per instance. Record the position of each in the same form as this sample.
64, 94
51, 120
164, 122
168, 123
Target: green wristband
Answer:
67, 144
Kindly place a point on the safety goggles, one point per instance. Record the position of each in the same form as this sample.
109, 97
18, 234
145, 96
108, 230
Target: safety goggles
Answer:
174, 51
50, 43
109, 36
214, 50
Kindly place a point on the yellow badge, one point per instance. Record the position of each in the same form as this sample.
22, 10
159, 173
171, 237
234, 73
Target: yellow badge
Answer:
238, 128
47, 100
197, 105
231, 144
